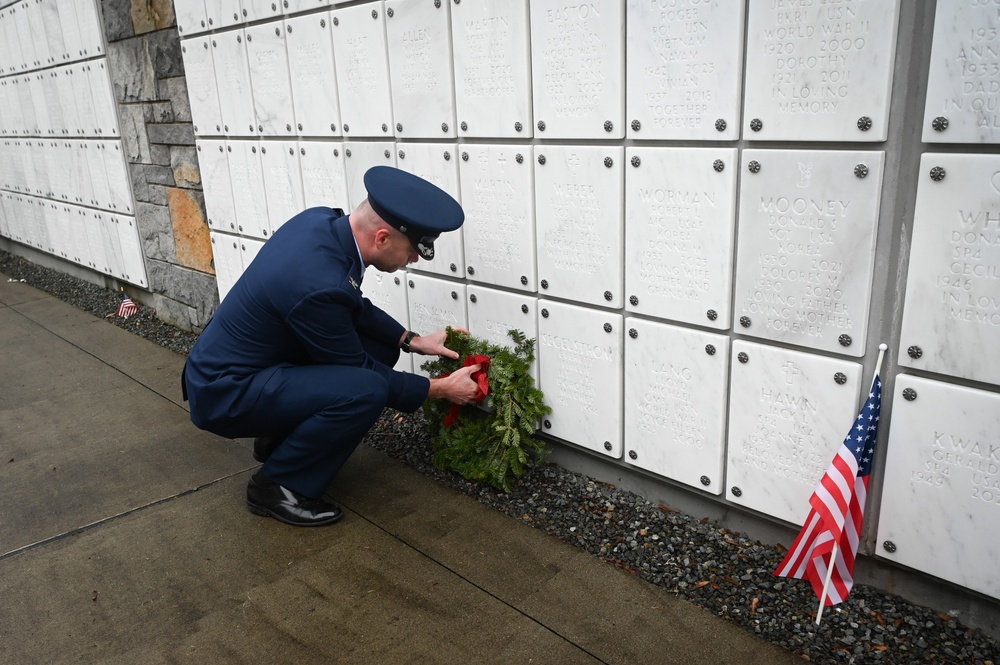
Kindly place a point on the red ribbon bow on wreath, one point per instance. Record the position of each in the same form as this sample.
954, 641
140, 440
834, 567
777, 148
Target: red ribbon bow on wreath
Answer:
479, 376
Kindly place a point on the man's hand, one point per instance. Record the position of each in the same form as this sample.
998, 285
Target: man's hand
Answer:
433, 344
458, 387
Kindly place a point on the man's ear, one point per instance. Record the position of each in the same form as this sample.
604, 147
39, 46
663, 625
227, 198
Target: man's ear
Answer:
381, 238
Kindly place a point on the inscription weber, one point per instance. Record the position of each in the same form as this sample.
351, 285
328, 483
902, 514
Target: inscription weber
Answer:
812, 60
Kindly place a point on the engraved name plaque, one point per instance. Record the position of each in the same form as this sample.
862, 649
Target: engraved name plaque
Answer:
420, 68
493, 313
675, 412
359, 156
806, 246
362, 62
685, 68
199, 68
941, 490
499, 229
388, 293
437, 163
313, 75
579, 223
680, 210
279, 161
580, 372
963, 85
787, 413
214, 164
951, 315
578, 68
492, 68
434, 304
324, 182
248, 188
819, 71
228, 261
233, 76
269, 80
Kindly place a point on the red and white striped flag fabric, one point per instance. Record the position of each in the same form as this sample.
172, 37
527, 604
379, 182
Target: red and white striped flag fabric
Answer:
837, 513
126, 307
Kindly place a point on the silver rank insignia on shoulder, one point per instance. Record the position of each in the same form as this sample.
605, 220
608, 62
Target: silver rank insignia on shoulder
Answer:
353, 283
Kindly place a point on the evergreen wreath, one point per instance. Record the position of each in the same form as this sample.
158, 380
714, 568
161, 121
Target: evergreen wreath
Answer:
494, 446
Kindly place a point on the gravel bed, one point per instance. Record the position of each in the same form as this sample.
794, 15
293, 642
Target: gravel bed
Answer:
722, 571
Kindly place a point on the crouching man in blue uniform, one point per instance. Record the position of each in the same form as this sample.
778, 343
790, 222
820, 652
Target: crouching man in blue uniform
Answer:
297, 358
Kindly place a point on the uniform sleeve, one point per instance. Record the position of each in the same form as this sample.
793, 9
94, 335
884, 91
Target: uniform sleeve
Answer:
326, 326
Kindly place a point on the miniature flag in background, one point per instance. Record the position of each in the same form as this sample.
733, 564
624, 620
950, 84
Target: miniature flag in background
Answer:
833, 527
126, 307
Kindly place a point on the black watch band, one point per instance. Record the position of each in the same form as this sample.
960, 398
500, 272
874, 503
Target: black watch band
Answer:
405, 346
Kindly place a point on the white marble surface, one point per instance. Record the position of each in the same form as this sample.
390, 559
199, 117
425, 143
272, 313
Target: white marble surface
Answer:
91, 30
133, 264
279, 161
492, 68
813, 70
269, 79
420, 68
685, 69
675, 406
806, 247
388, 292
83, 188
199, 68
951, 310
72, 39
53, 30
580, 373
105, 108
64, 90
787, 418
962, 83
249, 248
296, 6
247, 180
95, 165
498, 198
95, 240
76, 219
191, 17
260, 10
941, 492
233, 76
359, 47
359, 156
313, 75
324, 181
492, 313
433, 305
437, 163
37, 32
118, 180
680, 212
578, 68
112, 241
20, 19
228, 261
84, 101
223, 13
213, 163
579, 223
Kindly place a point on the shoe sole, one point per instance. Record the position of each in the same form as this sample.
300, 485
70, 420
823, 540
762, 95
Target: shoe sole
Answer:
264, 512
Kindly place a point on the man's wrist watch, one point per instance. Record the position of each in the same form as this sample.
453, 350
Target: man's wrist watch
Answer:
405, 346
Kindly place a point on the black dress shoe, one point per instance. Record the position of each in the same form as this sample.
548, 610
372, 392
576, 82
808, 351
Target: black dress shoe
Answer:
269, 498
263, 446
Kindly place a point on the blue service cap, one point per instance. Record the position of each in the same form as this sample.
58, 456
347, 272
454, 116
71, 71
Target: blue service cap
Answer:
419, 209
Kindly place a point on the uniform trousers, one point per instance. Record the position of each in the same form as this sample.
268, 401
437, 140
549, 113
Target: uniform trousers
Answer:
321, 411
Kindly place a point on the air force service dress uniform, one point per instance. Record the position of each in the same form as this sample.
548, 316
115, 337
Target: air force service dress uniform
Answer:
295, 351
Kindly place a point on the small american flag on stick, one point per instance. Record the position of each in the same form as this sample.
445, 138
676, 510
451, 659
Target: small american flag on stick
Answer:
825, 549
126, 307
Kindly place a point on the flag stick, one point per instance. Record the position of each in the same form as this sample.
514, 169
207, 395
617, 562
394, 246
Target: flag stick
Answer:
833, 552
826, 584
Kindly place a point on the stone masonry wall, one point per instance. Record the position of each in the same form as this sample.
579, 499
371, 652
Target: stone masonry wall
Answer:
147, 73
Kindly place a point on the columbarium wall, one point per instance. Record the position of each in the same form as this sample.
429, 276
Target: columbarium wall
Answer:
709, 213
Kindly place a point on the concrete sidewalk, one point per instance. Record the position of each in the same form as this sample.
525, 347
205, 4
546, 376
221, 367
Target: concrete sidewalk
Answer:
124, 538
